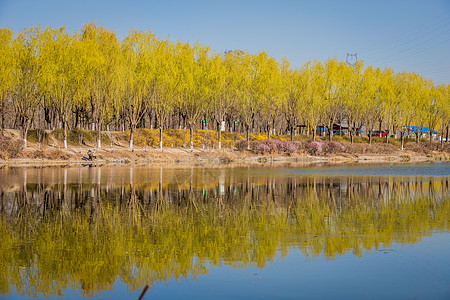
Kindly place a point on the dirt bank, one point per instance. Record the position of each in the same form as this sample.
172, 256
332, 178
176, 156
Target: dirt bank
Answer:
52, 153
33, 156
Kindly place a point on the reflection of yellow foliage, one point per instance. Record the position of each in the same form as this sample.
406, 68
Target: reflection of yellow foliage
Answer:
139, 237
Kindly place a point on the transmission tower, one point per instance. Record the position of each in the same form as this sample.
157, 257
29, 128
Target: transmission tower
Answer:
351, 59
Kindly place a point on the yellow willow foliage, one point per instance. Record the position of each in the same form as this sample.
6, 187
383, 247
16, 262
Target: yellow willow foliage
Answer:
93, 75
7, 63
137, 76
266, 85
241, 87
166, 79
442, 98
314, 105
7, 70
101, 61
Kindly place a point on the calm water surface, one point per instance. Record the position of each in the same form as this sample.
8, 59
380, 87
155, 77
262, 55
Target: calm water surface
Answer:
339, 232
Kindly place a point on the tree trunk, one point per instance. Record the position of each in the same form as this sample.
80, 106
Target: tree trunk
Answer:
446, 139
330, 129
314, 133
292, 133
65, 132
351, 136
273, 126
24, 136
160, 136
80, 137
3, 117
268, 131
132, 128
248, 136
370, 137
47, 117
387, 136
219, 134
401, 139
191, 131
99, 142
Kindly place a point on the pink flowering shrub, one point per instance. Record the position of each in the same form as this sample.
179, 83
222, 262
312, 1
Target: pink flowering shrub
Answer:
332, 148
274, 145
314, 148
292, 147
259, 147
323, 148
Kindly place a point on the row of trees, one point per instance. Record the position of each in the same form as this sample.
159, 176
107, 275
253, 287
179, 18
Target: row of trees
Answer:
92, 79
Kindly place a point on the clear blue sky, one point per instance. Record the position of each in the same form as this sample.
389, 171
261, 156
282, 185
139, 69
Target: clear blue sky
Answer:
410, 35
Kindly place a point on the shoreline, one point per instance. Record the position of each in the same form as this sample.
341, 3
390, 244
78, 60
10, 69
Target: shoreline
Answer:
51, 153
200, 157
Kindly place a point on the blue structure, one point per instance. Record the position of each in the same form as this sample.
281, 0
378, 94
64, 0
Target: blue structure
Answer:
417, 129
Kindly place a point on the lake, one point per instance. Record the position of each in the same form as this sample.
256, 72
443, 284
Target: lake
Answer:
372, 231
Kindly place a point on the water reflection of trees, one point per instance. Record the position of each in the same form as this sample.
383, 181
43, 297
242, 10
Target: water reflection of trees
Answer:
88, 235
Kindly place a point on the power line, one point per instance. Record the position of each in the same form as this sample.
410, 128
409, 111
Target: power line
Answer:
416, 52
436, 71
405, 34
392, 51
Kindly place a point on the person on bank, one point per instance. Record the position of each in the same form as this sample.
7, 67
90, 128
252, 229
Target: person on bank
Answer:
90, 155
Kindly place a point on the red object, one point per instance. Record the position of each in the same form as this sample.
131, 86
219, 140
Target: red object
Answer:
379, 133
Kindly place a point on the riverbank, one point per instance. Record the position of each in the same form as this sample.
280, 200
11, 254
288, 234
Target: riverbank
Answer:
205, 152
178, 156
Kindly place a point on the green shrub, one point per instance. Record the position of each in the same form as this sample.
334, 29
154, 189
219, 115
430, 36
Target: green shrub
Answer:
32, 135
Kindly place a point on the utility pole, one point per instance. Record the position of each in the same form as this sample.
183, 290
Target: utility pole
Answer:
351, 59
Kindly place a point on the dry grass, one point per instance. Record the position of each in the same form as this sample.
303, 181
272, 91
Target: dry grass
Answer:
10, 147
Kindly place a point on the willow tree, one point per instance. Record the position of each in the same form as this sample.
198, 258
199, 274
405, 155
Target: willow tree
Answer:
137, 68
57, 80
297, 91
405, 90
422, 97
354, 97
165, 81
103, 54
389, 104
7, 70
266, 84
333, 92
242, 83
443, 108
80, 71
26, 92
432, 110
372, 99
314, 105
220, 87
192, 63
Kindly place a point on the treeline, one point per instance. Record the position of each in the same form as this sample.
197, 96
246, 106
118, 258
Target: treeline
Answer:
52, 79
